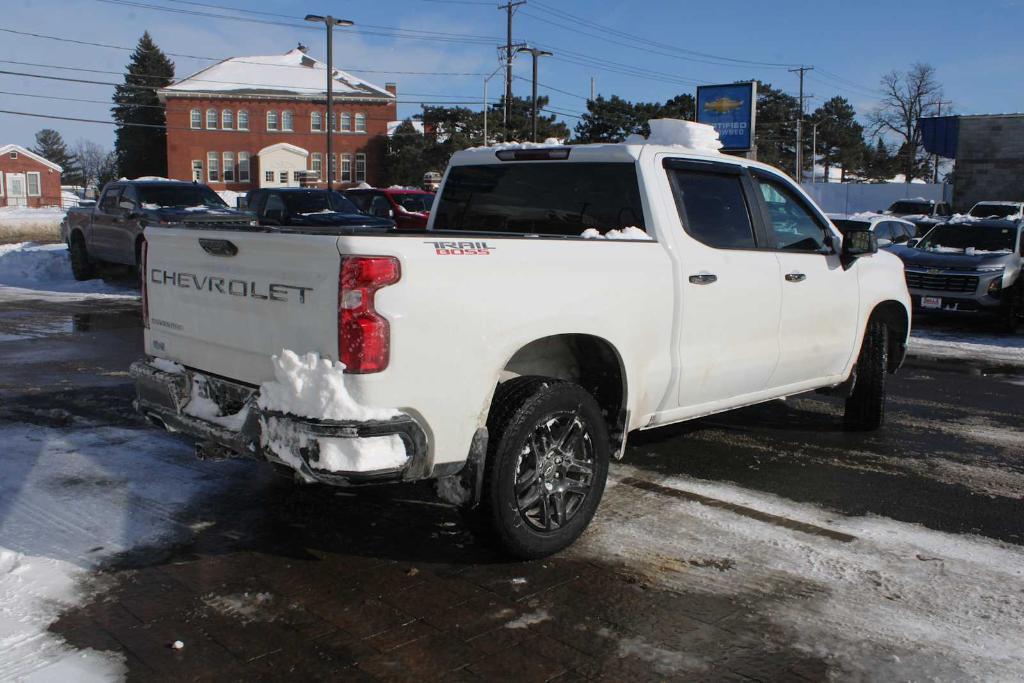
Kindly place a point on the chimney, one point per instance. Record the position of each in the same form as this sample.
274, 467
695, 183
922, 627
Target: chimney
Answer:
391, 88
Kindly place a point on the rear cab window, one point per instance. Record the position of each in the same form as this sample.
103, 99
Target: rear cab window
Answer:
540, 198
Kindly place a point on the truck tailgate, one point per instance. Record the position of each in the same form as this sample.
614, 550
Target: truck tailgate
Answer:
224, 301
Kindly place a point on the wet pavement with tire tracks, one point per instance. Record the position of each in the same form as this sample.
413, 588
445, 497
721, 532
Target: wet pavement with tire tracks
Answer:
761, 544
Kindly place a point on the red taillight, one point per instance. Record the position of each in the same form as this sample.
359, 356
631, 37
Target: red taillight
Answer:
143, 276
364, 336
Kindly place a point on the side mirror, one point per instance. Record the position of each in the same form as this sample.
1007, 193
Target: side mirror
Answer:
857, 243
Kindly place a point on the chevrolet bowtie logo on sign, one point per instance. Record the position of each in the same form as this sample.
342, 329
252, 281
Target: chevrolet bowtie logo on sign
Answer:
723, 105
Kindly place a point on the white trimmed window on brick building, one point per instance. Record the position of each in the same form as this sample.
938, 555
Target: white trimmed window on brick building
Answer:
243, 167
346, 122
211, 118
346, 168
243, 119
316, 163
360, 123
229, 167
272, 120
196, 118
286, 121
316, 122
212, 167
227, 119
360, 168
197, 170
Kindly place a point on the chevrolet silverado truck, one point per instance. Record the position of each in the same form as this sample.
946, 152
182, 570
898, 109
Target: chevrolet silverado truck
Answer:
562, 297
309, 209
111, 231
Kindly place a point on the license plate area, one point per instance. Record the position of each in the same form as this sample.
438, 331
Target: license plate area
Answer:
931, 302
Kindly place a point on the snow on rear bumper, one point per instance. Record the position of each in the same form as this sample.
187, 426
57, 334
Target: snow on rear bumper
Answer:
164, 398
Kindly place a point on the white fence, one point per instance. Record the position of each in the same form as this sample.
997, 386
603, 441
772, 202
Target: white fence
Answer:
854, 197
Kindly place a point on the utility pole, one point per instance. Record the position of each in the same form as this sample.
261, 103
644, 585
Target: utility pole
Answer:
814, 153
536, 54
510, 9
330, 22
486, 80
800, 125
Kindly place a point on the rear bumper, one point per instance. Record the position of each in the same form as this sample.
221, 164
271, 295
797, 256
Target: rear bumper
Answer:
164, 398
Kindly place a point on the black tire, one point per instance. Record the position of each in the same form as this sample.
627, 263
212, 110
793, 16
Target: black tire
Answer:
565, 483
82, 267
1013, 310
865, 408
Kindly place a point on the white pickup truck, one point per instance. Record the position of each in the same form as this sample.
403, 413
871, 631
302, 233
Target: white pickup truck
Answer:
561, 297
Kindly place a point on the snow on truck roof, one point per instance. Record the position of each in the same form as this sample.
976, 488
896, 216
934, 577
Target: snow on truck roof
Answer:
294, 73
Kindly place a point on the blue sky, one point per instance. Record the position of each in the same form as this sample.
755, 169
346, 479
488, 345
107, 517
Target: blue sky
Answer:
976, 49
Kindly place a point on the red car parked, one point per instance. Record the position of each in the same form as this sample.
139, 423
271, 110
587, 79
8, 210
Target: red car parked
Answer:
408, 208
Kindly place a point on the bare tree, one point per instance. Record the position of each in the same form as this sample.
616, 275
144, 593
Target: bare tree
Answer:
92, 159
907, 96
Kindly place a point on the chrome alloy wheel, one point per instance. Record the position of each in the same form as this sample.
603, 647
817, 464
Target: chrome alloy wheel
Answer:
555, 471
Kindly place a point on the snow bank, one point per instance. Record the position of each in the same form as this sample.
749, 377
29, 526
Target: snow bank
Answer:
991, 348
630, 232
46, 268
697, 137
18, 221
230, 197
311, 386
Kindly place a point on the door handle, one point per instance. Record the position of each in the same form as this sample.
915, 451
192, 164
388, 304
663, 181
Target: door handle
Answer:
703, 278
795, 277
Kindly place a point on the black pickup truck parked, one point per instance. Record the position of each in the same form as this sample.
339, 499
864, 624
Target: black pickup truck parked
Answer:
307, 208
111, 231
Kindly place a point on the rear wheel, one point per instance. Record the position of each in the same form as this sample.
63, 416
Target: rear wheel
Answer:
865, 408
546, 466
82, 267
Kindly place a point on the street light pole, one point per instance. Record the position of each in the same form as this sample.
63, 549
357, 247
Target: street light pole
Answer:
486, 80
330, 22
535, 53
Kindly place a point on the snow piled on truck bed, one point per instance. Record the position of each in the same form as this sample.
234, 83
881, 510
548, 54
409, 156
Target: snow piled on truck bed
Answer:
311, 386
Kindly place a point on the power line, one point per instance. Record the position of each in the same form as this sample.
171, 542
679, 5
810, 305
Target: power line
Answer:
236, 60
647, 41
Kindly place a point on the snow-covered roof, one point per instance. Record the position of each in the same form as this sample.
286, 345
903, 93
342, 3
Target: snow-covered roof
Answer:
7, 149
294, 73
417, 124
287, 146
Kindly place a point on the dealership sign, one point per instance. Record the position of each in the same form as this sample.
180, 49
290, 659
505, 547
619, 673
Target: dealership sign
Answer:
732, 110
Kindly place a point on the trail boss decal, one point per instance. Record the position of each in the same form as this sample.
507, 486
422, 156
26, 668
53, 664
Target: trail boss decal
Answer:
461, 248
272, 291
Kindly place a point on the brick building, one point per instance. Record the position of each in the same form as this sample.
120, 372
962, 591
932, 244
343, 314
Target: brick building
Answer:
27, 179
251, 122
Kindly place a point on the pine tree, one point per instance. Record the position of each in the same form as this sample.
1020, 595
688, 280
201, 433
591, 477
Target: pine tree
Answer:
50, 145
840, 137
775, 135
141, 150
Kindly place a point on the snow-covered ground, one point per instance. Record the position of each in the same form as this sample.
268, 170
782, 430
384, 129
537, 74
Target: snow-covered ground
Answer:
898, 602
21, 223
69, 499
44, 271
995, 348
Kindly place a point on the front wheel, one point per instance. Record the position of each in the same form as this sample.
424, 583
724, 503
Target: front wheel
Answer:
1013, 310
546, 467
82, 267
865, 408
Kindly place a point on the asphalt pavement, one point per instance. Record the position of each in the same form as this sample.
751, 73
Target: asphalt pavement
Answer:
683, 574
